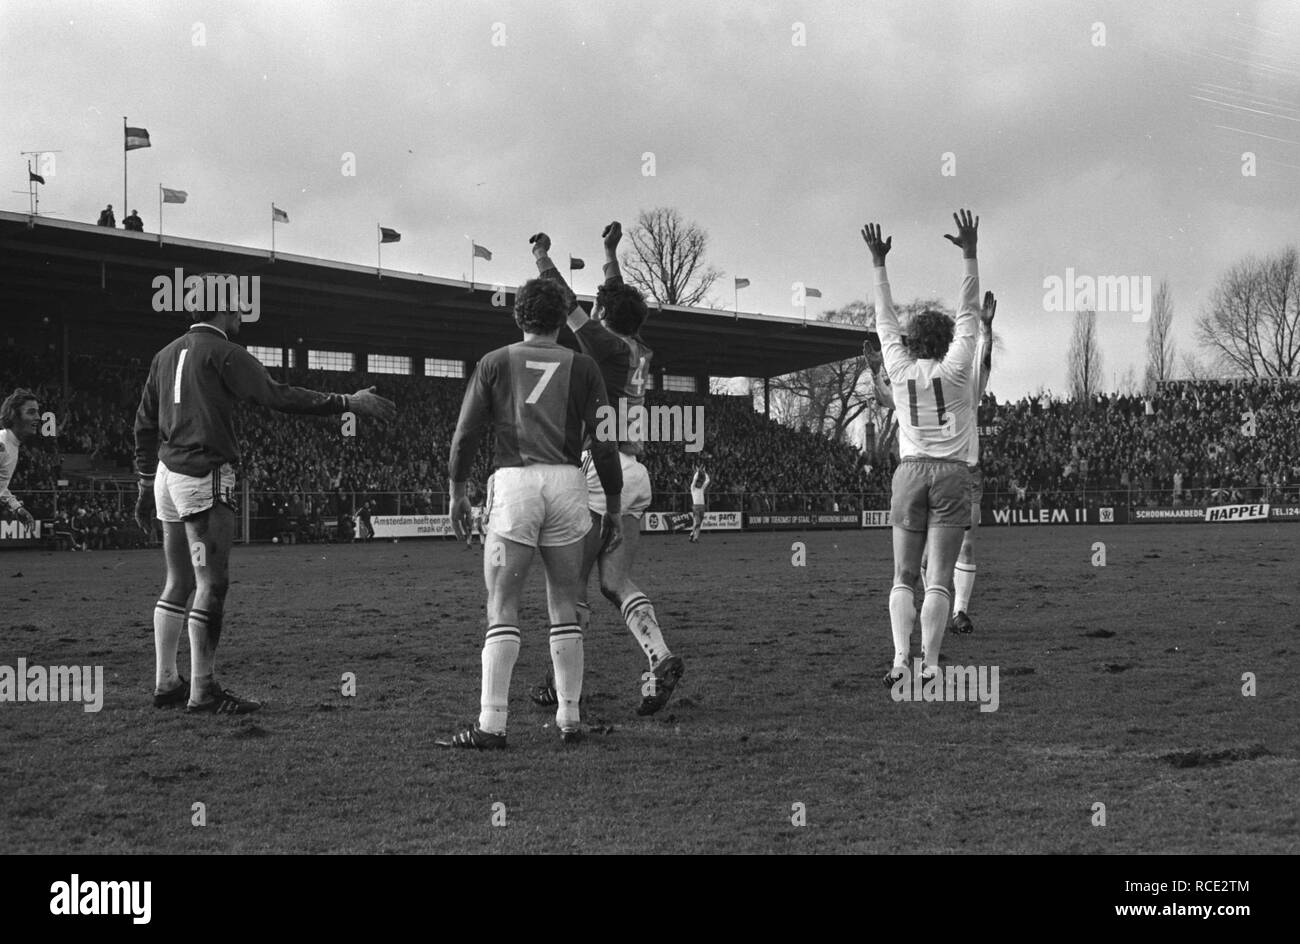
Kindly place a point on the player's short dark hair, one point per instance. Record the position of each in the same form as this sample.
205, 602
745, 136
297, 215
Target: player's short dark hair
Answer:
624, 306
541, 306
929, 335
13, 404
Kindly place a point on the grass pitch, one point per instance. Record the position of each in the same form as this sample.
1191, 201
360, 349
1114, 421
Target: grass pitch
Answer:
1120, 685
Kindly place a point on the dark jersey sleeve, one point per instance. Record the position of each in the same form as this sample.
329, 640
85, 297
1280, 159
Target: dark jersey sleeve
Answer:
475, 414
146, 424
591, 387
246, 378
599, 343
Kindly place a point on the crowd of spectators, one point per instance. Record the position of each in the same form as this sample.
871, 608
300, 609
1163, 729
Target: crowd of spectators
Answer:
1187, 442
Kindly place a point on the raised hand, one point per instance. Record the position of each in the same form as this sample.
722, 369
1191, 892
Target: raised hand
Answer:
879, 247
612, 234
967, 233
989, 310
541, 243
368, 403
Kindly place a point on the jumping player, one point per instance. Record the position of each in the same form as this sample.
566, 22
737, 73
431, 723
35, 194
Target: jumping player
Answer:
541, 397
20, 418
612, 338
699, 483
186, 454
931, 489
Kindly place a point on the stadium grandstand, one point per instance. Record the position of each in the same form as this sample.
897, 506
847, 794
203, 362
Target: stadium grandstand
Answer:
82, 327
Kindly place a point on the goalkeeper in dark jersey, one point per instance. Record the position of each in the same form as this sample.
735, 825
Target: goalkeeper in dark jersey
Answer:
612, 338
186, 455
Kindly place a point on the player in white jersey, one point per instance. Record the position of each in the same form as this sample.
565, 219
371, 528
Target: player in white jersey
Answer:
932, 376
699, 482
20, 418
963, 577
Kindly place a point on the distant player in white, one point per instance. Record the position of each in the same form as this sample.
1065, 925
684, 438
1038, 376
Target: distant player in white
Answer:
699, 482
20, 418
932, 377
963, 577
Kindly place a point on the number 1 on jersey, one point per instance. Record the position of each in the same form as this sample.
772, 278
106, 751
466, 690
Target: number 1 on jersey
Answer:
548, 371
176, 389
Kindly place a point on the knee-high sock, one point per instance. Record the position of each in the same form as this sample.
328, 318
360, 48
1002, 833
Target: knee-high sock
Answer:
642, 623
934, 620
500, 650
963, 582
902, 616
168, 621
205, 633
566, 660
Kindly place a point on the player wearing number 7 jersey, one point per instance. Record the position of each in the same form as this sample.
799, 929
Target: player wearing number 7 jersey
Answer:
186, 454
542, 399
932, 376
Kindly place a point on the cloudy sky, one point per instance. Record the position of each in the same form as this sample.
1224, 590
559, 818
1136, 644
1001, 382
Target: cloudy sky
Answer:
1103, 137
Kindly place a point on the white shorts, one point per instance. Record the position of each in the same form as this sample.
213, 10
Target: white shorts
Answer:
177, 496
536, 505
636, 486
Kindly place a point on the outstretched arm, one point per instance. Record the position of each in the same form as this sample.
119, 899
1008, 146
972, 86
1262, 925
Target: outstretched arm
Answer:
986, 339
546, 269
957, 363
894, 355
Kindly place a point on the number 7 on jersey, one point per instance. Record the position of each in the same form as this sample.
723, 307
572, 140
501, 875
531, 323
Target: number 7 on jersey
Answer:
548, 371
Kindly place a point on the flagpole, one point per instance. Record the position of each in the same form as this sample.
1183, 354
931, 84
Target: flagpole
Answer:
273, 230
125, 152
160, 195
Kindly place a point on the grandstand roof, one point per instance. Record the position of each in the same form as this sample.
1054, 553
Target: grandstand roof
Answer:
100, 281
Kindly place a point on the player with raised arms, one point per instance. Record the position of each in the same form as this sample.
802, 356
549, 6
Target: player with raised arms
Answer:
542, 399
186, 455
699, 485
963, 577
611, 337
931, 489
20, 418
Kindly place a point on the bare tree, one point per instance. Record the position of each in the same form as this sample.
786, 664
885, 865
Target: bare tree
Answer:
665, 258
1252, 323
1160, 341
1083, 361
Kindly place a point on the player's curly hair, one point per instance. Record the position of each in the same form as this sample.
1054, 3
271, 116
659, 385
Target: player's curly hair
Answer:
929, 335
541, 306
624, 306
13, 405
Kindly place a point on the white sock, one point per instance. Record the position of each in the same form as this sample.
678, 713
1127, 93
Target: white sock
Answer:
963, 582
644, 626
168, 621
934, 620
902, 615
566, 660
203, 657
500, 650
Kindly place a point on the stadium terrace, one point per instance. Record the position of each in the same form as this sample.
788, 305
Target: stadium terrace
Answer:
636, 423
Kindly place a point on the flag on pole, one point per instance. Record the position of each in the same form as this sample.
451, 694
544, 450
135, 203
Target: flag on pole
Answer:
278, 215
576, 263
174, 196
137, 138
387, 235
812, 293
32, 175
482, 253
742, 283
